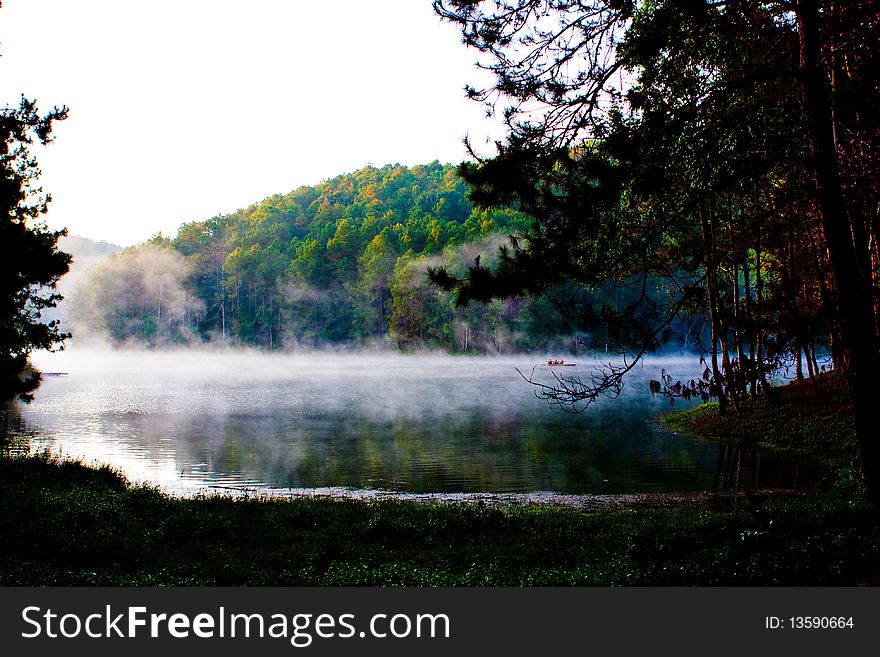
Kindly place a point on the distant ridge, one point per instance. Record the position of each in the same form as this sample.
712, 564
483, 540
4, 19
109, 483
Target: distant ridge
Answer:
84, 248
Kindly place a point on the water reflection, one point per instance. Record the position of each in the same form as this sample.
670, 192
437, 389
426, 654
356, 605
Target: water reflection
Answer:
413, 424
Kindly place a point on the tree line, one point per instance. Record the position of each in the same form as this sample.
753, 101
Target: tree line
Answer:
669, 164
339, 263
729, 149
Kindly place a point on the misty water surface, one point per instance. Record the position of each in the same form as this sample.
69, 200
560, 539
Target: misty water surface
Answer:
192, 421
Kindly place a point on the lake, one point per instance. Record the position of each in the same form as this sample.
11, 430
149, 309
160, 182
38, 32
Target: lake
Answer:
200, 421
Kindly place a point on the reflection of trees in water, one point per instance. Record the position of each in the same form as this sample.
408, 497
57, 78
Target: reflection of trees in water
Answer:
15, 435
488, 448
476, 451
738, 469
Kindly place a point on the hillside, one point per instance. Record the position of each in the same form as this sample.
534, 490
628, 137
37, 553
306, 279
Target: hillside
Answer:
339, 263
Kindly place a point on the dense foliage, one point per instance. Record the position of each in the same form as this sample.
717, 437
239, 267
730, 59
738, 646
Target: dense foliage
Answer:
342, 262
729, 149
30, 263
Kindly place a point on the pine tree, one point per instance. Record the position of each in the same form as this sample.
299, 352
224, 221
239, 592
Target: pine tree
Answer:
30, 262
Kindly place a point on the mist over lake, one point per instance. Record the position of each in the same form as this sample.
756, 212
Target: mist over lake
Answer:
193, 421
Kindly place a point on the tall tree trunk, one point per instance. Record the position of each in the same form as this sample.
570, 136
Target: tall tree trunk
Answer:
708, 247
858, 328
798, 359
749, 369
759, 315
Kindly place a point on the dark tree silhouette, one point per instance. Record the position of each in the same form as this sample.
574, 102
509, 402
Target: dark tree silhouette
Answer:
728, 148
30, 262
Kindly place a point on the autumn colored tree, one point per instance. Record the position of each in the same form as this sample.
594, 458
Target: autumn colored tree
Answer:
311, 267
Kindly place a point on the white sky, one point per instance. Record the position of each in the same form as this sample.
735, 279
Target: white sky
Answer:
182, 109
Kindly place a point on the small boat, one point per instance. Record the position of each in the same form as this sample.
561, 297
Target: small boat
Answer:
558, 362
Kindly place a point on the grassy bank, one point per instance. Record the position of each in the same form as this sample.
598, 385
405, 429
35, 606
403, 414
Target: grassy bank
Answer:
809, 418
67, 524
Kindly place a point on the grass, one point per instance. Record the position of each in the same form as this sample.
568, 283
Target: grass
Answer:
813, 419
63, 523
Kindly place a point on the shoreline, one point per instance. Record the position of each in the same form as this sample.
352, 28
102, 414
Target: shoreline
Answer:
71, 524
575, 501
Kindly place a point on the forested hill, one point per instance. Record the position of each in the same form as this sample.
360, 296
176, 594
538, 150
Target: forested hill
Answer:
342, 262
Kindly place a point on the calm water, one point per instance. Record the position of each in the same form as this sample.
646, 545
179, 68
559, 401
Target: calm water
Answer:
200, 421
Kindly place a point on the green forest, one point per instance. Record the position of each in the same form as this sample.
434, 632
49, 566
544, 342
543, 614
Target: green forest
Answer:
674, 174
339, 263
